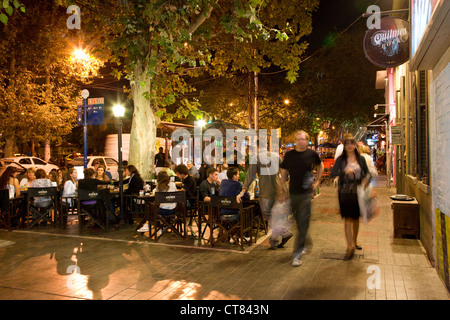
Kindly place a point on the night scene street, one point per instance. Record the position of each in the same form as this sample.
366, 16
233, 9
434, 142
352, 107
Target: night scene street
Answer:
228, 157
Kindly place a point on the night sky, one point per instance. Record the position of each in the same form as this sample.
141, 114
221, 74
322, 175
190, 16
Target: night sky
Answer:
333, 16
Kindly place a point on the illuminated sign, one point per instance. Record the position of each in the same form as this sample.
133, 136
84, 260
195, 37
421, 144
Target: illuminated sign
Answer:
421, 11
388, 46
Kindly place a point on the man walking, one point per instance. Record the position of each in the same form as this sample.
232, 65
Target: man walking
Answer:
267, 192
299, 164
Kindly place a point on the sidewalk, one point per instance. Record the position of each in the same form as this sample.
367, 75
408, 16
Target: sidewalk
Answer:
39, 265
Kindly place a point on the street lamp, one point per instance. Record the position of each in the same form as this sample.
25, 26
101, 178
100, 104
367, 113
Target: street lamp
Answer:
119, 112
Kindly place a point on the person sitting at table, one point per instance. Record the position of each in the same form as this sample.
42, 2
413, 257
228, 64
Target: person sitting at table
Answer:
30, 177
61, 172
100, 174
210, 186
89, 183
9, 181
167, 169
70, 185
42, 182
98, 163
223, 171
134, 181
231, 187
163, 184
188, 183
193, 170
53, 177
135, 184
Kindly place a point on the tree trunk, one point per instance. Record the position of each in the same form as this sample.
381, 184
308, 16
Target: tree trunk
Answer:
10, 146
144, 125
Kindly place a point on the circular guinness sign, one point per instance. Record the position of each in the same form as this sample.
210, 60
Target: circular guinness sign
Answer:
388, 46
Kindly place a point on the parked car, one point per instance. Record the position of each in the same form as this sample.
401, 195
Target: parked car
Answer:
110, 164
6, 163
33, 162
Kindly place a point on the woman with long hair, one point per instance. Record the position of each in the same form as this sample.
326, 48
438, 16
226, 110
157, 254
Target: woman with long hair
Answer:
100, 174
135, 182
352, 170
70, 184
9, 181
30, 177
163, 184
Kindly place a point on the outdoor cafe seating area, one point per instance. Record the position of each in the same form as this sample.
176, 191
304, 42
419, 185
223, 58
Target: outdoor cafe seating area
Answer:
95, 213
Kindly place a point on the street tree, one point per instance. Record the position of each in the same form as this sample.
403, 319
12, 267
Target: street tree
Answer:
38, 85
158, 44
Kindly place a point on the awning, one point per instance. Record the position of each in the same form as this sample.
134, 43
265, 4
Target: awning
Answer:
379, 123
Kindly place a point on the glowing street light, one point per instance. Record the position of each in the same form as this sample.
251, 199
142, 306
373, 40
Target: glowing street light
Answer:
201, 123
84, 64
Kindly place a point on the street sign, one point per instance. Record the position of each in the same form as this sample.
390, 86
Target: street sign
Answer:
95, 111
396, 134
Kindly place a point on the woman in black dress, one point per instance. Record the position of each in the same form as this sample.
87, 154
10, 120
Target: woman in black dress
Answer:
351, 168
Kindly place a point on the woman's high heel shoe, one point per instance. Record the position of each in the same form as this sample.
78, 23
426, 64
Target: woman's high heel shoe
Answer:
350, 253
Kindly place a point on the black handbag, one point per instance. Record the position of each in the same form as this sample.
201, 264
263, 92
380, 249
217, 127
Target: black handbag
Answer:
348, 185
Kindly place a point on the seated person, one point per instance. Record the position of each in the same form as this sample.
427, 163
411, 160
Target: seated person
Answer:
70, 185
167, 169
42, 182
193, 170
91, 184
30, 177
231, 187
135, 182
188, 182
223, 171
210, 186
163, 184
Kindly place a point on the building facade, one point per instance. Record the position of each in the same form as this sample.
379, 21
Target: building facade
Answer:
420, 92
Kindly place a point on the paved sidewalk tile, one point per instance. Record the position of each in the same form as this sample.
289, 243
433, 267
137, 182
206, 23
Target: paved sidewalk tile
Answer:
49, 265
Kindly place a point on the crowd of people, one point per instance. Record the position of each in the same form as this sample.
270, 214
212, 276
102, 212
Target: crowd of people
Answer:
287, 192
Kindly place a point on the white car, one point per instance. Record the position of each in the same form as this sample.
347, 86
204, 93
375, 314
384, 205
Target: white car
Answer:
33, 162
110, 164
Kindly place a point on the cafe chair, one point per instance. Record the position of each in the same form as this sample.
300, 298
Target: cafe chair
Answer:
203, 221
193, 215
260, 224
9, 209
68, 206
38, 213
91, 204
176, 223
238, 230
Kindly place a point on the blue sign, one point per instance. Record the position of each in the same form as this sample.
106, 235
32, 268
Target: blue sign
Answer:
95, 111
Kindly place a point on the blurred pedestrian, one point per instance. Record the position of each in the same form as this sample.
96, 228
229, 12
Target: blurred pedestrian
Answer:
279, 216
299, 163
351, 169
267, 184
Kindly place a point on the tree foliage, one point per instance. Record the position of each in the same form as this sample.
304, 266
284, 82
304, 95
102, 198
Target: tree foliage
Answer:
38, 88
7, 9
338, 84
157, 44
